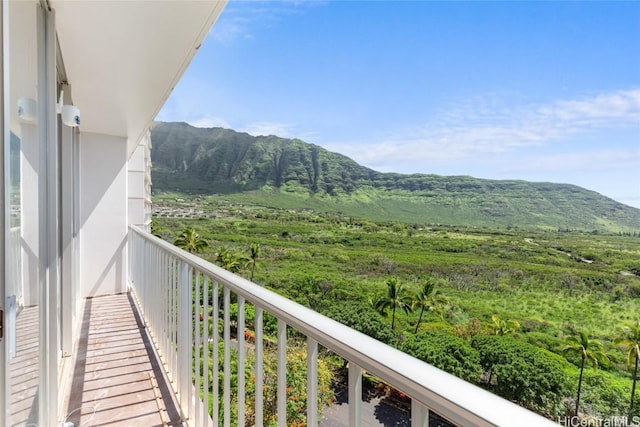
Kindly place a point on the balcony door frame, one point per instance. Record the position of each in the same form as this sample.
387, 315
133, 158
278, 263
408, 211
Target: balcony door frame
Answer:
69, 192
4, 229
49, 220
48, 215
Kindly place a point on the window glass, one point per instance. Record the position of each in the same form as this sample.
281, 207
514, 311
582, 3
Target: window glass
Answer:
23, 150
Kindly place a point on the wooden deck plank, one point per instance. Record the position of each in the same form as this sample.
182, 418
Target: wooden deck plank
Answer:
117, 379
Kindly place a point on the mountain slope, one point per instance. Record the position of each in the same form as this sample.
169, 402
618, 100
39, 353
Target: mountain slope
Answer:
290, 172
222, 160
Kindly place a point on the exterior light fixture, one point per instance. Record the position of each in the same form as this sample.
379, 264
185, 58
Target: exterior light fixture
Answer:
26, 109
70, 113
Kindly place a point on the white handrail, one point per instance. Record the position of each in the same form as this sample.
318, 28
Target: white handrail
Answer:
453, 398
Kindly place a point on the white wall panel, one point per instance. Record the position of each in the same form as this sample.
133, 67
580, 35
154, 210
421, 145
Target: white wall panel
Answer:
103, 214
136, 212
136, 185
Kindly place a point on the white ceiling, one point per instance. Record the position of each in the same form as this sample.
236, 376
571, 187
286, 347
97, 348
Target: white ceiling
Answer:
123, 58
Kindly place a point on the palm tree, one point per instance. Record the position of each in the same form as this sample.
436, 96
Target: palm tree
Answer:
190, 241
587, 349
229, 261
630, 339
394, 299
375, 304
428, 298
254, 250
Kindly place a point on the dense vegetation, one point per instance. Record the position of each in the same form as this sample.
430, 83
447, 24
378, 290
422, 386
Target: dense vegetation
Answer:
501, 308
289, 173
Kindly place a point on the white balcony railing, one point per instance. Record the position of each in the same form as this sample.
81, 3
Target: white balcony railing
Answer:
172, 286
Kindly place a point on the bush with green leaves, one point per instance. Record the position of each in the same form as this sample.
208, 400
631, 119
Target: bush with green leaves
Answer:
603, 393
363, 319
447, 352
296, 384
533, 377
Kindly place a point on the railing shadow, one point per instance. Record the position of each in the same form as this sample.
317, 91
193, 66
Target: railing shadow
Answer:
166, 392
77, 382
118, 378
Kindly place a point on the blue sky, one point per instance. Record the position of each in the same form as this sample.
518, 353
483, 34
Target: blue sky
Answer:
541, 91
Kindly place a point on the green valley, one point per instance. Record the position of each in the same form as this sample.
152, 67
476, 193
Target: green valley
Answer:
290, 173
504, 300
506, 284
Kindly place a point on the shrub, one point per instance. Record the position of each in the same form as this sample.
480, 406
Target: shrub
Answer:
604, 393
518, 371
362, 318
445, 351
296, 384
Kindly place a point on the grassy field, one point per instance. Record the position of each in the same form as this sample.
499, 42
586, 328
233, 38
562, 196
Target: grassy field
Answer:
550, 284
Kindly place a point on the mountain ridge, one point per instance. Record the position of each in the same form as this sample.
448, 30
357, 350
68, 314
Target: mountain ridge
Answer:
223, 161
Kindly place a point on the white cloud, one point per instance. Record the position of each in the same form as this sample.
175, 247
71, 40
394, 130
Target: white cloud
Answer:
240, 19
209, 122
485, 126
593, 161
282, 130
593, 142
618, 108
268, 128
226, 31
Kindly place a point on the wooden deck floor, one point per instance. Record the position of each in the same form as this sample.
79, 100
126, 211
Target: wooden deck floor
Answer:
23, 371
117, 377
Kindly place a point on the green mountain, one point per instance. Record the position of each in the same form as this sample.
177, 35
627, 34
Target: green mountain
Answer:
281, 172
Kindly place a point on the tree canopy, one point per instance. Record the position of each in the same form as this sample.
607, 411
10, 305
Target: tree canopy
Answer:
362, 319
518, 371
444, 351
190, 241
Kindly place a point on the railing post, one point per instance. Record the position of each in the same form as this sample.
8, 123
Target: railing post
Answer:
312, 382
226, 387
184, 337
142, 273
355, 394
206, 397
419, 414
215, 385
166, 281
197, 383
259, 368
241, 361
282, 374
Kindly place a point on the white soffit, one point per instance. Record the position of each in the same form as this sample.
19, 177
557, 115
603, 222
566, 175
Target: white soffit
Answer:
123, 58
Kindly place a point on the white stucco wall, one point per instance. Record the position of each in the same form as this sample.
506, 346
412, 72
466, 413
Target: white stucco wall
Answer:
103, 214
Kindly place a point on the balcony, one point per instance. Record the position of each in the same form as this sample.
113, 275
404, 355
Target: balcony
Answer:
150, 352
